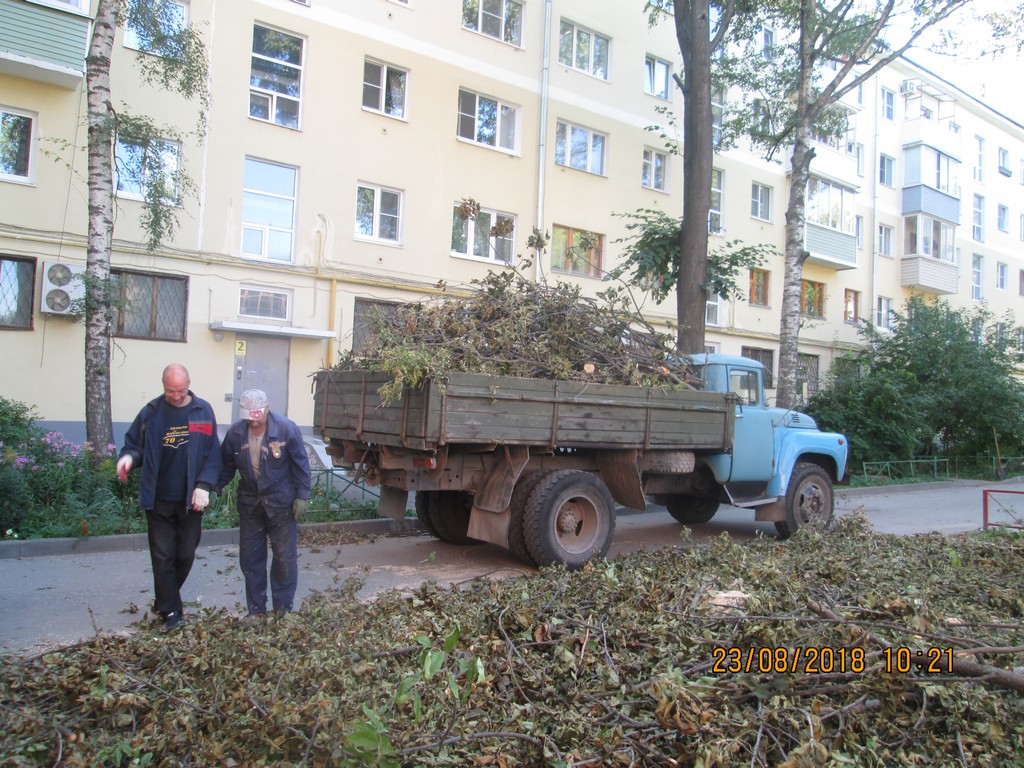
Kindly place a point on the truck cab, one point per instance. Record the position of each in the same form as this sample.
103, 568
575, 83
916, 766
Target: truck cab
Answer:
769, 444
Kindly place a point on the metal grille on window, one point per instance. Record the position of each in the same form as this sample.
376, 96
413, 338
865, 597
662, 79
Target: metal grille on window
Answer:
16, 293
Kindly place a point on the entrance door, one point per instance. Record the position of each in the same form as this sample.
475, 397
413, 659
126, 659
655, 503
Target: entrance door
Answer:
261, 362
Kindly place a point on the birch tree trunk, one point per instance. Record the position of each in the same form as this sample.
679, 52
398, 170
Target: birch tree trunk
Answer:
786, 395
98, 310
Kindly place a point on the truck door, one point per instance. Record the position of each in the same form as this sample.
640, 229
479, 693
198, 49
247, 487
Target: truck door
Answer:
753, 450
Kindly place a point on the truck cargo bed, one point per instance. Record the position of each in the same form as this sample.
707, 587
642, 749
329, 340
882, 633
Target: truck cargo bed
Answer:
475, 409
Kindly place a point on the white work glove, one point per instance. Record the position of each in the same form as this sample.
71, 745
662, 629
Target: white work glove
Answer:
124, 466
200, 499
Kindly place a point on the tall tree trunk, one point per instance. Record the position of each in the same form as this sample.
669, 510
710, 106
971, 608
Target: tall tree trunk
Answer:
693, 34
786, 395
98, 310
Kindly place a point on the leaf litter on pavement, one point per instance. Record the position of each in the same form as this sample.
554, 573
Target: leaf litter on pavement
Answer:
685, 656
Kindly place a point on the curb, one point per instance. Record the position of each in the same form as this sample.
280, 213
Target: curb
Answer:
384, 526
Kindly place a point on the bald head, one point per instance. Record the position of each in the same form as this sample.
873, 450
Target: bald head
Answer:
176, 382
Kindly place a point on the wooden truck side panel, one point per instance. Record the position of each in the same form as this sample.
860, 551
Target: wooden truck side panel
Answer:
487, 410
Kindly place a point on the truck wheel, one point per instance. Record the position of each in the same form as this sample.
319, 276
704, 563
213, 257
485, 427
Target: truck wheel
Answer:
423, 512
569, 518
691, 510
448, 512
809, 500
517, 509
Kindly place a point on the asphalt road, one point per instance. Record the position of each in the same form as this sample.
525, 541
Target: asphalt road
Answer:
58, 592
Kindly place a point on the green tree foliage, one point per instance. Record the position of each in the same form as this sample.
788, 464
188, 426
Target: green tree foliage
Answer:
942, 382
652, 255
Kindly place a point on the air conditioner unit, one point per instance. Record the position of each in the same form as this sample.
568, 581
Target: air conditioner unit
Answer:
908, 87
61, 285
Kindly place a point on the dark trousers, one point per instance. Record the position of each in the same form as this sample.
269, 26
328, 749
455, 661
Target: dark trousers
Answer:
255, 526
174, 532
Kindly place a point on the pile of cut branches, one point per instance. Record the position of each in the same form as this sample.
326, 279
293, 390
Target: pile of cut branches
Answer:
508, 326
889, 651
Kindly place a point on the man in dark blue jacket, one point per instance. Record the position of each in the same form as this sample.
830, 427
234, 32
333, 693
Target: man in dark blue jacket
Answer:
174, 441
270, 457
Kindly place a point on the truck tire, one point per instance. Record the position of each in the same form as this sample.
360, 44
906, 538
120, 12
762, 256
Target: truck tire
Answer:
569, 519
517, 509
448, 512
809, 500
691, 510
423, 512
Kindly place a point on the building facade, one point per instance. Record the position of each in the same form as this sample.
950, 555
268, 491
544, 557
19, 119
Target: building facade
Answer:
344, 143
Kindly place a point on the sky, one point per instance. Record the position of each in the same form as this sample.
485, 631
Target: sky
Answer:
995, 81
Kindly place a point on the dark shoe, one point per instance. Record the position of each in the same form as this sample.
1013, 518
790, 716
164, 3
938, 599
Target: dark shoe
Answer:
172, 621
280, 612
250, 618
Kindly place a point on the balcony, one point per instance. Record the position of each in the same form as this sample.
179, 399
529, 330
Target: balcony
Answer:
829, 247
43, 43
928, 275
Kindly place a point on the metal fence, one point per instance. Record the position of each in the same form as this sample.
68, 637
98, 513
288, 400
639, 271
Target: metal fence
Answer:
943, 468
998, 512
337, 481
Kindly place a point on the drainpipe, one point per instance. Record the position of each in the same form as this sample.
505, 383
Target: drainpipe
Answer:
542, 148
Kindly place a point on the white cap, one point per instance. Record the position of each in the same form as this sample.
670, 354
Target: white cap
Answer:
252, 400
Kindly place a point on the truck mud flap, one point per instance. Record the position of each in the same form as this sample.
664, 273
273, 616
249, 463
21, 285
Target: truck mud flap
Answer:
393, 502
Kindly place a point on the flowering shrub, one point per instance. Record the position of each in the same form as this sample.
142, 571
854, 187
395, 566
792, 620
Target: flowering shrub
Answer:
50, 486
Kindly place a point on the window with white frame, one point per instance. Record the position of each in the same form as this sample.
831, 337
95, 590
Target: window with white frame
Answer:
1022, 226
888, 104
579, 147
483, 233
487, 121
1003, 218
979, 158
858, 230
886, 170
384, 88
859, 154
17, 288
653, 169
173, 19
1004, 162
884, 240
1022, 173
717, 114
830, 205
583, 49
713, 309
16, 136
275, 78
266, 303
150, 306
147, 171
761, 201
767, 43
268, 210
500, 19
977, 273
657, 76
715, 212
1001, 275
576, 251
928, 236
978, 219
378, 213
884, 313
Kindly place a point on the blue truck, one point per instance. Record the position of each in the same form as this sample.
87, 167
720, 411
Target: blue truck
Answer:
540, 466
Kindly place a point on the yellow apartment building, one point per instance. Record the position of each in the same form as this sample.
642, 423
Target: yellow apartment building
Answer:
342, 136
